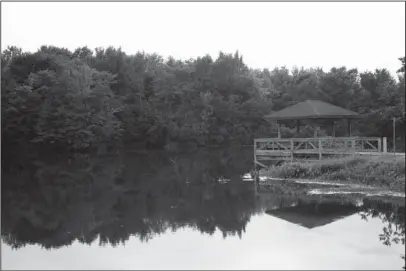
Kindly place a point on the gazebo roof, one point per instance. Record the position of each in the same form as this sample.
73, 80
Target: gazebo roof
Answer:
312, 109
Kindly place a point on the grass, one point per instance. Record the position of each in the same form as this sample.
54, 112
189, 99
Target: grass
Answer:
380, 171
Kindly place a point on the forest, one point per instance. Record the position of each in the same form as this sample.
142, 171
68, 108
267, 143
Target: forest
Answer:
75, 100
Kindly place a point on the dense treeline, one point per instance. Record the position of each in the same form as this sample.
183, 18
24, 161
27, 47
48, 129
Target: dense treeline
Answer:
55, 97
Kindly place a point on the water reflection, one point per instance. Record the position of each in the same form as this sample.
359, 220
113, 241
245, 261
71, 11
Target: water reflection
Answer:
314, 214
393, 217
108, 200
53, 203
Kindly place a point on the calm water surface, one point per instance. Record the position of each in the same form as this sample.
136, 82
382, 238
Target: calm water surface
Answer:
185, 211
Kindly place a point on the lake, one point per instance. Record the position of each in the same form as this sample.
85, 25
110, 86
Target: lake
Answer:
158, 210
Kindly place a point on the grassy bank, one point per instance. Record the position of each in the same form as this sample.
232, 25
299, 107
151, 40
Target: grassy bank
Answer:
381, 171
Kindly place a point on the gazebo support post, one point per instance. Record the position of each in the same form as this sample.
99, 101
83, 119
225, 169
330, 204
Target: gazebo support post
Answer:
334, 128
279, 129
314, 131
349, 127
298, 127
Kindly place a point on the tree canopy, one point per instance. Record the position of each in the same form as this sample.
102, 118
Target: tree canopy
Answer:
75, 100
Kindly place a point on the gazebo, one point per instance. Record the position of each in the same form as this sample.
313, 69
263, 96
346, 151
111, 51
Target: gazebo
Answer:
313, 110
316, 146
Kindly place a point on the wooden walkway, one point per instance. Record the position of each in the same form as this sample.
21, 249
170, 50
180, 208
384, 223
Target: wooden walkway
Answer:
282, 149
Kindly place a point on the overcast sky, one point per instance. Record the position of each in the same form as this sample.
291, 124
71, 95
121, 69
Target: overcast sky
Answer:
358, 35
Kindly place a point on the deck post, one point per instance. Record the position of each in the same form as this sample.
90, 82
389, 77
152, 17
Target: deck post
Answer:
279, 129
379, 145
385, 144
394, 135
353, 146
320, 150
291, 150
256, 185
256, 172
255, 156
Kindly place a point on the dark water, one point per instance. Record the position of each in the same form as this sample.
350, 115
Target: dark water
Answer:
184, 211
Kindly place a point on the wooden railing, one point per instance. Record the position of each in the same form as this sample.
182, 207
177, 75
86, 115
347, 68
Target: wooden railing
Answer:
320, 146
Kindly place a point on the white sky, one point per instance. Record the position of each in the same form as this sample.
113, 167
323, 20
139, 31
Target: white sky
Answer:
358, 35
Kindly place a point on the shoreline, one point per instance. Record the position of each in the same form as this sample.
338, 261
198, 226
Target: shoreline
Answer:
384, 172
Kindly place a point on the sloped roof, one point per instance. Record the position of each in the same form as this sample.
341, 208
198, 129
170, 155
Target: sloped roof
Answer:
312, 109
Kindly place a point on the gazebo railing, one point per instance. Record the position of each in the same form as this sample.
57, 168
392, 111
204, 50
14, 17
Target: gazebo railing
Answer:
324, 145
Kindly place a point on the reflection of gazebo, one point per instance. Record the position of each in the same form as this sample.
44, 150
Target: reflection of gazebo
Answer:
314, 215
313, 110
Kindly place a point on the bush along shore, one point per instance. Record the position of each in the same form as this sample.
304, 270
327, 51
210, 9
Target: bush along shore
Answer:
383, 171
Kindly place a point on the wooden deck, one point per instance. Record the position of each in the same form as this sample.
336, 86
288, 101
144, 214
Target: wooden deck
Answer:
280, 149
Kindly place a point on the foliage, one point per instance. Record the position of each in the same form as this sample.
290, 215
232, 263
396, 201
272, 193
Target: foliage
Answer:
64, 103
76, 100
386, 172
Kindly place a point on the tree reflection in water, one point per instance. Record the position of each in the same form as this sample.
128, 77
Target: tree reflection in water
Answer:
392, 215
53, 201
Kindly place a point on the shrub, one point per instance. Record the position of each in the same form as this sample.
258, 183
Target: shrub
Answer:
387, 172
